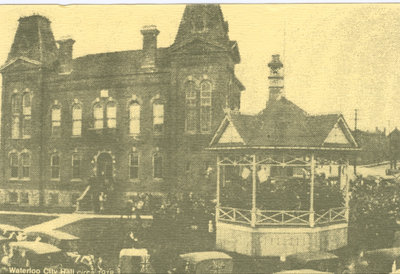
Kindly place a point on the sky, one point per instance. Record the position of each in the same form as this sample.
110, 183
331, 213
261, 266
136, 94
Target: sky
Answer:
337, 57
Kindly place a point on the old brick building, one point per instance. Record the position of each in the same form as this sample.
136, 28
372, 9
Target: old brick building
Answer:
140, 118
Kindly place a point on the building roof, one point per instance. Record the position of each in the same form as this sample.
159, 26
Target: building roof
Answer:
283, 124
114, 63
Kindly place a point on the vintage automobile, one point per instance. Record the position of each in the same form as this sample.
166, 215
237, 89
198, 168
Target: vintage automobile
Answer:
320, 261
134, 260
6, 230
39, 255
383, 260
62, 240
205, 262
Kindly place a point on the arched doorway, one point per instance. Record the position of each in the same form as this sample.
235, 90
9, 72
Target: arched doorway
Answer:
105, 165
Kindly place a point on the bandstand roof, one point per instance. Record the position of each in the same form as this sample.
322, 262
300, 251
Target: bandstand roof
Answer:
282, 124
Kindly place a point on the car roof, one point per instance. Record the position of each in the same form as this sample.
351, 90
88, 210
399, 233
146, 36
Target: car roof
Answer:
5, 227
196, 257
36, 247
133, 252
302, 271
52, 233
312, 256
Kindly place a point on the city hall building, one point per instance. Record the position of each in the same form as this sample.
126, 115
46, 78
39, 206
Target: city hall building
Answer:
140, 118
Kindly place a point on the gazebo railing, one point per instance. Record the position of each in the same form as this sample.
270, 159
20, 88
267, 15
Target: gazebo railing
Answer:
281, 217
235, 215
333, 215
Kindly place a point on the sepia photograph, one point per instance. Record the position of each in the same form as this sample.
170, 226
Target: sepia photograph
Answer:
200, 138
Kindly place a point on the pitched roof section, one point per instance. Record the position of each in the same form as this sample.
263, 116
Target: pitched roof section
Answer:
114, 63
282, 124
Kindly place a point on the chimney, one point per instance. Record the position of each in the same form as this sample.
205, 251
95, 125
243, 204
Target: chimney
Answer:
275, 79
149, 46
65, 55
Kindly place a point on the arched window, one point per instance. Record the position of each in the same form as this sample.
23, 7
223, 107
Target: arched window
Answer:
76, 166
26, 164
15, 127
133, 165
98, 116
134, 118
76, 120
14, 165
157, 165
158, 117
56, 120
26, 103
55, 166
205, 106
111, 114
191, 111
15, 103
26, 126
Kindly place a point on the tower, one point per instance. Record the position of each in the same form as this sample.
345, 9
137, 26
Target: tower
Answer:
276, 87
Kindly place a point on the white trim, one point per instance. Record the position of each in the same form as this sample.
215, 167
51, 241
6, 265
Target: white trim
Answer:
34, 62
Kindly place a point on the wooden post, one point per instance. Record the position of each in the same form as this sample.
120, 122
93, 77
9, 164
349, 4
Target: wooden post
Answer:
312, 213
347, 197
254, 193
218, 190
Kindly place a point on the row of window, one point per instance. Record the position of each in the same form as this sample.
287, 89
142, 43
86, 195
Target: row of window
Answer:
104, 113
20, 165
104, 116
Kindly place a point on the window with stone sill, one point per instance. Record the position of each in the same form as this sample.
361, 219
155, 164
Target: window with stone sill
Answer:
13, 197
76, 119
134, 118
56, 121
133, 165
76, 166
55, 166
24, 198
158, 117
157, 166
14, 165
26, 165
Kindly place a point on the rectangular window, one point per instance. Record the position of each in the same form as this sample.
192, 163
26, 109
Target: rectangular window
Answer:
76, 120
15, 103
53, 199
205, 118
26, 129
157, 166
24, 198
111, 115
26, 104
15, 127
56, 121
26, 164
76, 166
158, 117
134, 166
98, 116
55, 167
134, 118
13, 197
14, 165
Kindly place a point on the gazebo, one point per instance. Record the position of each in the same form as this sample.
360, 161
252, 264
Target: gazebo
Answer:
282, 178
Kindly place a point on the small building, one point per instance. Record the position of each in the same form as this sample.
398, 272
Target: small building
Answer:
271, 201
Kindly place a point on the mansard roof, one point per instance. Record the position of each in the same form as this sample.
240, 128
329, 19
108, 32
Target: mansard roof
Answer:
282, 124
